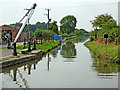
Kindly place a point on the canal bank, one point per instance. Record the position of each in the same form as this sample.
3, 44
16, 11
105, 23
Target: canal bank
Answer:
29, 56
107, 53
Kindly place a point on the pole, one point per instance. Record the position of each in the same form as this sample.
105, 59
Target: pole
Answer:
48, 17
106, 41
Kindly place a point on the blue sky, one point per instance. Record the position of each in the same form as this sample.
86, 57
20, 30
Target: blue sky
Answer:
11, 11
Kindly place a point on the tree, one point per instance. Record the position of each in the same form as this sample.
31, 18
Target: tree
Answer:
68, 24
32, 27
101, 19
109, 25
53, 26
43, 33
42, 26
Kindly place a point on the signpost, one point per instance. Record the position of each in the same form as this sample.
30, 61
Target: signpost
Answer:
106, 36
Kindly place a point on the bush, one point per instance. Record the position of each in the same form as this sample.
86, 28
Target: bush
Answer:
43, 33
92, 38
65, 35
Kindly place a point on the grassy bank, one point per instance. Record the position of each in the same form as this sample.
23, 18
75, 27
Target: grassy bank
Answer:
107, 53
44, 47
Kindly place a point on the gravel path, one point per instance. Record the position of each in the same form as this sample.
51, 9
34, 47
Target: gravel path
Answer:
7, 52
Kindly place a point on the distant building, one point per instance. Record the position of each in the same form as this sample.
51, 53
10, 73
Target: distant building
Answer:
8, 29
119, 13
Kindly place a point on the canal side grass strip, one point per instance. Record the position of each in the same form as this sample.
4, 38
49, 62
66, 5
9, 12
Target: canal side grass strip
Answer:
43, 47
108, 53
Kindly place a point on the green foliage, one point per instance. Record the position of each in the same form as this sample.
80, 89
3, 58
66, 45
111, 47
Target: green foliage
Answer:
68, 24
59, 32
110, 32
65, 35
109, 25
32, 27
53, 26
79, 32
43, 33
44, 47
101, 19
92, 38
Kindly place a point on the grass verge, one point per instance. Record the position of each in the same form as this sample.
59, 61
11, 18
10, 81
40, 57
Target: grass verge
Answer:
107, 53
44, 47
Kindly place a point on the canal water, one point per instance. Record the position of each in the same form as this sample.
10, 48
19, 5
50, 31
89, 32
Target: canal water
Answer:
69, 66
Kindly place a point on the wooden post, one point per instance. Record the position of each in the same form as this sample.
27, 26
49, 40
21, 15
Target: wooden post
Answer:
48, 39
53, 38
45, 39
41, 40
24, 43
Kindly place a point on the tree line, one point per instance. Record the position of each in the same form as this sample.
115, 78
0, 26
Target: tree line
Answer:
67, 28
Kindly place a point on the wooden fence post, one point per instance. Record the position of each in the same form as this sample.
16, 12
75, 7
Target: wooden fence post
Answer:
41, 40
24, 43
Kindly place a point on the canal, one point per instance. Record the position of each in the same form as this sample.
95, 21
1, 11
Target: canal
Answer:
69, 66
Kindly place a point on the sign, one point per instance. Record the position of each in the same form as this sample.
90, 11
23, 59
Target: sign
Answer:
57, 37
105, 35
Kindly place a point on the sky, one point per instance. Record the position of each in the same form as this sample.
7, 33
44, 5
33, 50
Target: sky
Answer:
11, 11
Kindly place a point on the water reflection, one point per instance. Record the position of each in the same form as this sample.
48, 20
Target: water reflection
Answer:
29, 69
14, 74
105, 70
79, 39
55, 52
48, 61
34, 66
17, 76
68, 50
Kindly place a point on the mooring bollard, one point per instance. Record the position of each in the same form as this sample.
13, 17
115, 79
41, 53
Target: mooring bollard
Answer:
29, 46
14, 50
34, 45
